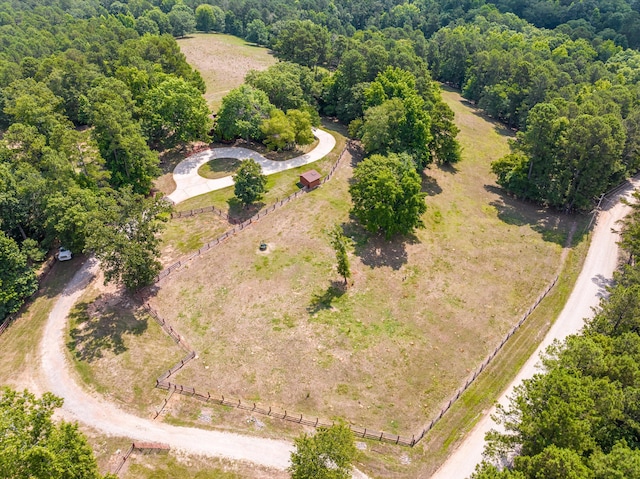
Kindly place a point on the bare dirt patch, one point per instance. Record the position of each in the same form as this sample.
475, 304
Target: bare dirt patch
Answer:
223, 61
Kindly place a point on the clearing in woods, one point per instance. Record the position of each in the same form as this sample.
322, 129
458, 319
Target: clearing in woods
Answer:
223, 61
276, 327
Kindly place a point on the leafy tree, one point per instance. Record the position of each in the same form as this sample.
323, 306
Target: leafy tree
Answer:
303, 42
397, 120
124, 237
146, 25
288, 85
32, 445
17, 279
386, 194
209, 18
250, 182
340, 243
327, 454
69, 215
175, 112
242, 112
161, 19
301, 122
182, 20
278, 131
119, 136
257, 32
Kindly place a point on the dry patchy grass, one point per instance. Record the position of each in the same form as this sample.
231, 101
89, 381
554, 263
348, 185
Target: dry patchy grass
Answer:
421, 313
223, 61
117, 349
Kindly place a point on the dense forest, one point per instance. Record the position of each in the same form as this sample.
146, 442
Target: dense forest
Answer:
92, 90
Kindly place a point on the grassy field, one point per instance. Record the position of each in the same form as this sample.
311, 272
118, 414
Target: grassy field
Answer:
421, 313
223, 61
277, 328
118, 350
187, 234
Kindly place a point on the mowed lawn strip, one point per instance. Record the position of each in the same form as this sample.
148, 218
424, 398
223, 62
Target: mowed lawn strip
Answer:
422, 312
223, 61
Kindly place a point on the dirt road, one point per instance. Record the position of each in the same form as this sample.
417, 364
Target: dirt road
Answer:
596, 273
79, 405
83, 407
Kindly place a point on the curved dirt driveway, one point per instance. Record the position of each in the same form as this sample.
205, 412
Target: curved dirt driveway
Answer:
88, 409
189, 183
79, 405
601, 261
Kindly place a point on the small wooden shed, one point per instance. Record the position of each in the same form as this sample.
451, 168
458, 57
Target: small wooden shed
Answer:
310, 179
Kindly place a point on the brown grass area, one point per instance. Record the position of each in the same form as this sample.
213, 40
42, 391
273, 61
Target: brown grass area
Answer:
421, 313
117, 349
223, 61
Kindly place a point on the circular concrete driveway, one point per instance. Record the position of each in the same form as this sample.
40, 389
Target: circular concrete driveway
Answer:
189, 183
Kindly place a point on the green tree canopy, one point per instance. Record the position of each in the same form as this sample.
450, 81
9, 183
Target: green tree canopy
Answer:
327, 454
182, 19
33, 446
249, 182
278, 131
303, 42
209, 18
124, 237
242, 112
174, 111
386, 195
17, 279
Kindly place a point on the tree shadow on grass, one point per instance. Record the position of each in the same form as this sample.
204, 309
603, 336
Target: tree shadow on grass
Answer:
219, 168
321, 301
375, 251
553, 226
430, 185
100, 326
239, 212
